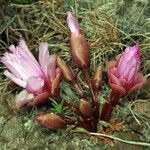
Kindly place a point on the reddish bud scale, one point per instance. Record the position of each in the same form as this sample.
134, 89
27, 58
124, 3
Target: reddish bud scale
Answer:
79, 50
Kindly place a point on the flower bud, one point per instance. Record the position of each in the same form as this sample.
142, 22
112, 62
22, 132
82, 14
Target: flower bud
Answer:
69, 75
50, 120
97, 79
78, 44
67, 71
124, 76
85, 108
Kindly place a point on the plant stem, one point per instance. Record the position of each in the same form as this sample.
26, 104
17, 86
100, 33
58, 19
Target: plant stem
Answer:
79, 89
108, 106
121, 140
94, 100
88, 80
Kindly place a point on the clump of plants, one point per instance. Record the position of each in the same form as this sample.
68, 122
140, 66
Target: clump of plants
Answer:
41, 80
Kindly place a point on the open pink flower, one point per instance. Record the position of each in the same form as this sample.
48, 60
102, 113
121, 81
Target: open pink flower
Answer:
38, 79
124, 76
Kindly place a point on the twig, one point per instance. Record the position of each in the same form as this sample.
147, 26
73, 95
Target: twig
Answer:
121, 140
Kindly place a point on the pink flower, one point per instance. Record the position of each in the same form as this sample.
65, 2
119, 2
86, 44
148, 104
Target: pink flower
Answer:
124, 76
38, 79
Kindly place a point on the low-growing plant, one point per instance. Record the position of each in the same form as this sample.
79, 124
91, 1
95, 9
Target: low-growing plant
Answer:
41, 80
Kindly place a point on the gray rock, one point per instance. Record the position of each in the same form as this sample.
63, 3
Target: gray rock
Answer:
12, 129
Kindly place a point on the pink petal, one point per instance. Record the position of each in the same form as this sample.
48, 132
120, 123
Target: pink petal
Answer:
10, 66
72, 23
29, 68
130, 58
22, 99
23, 46
44, 56
121, 66
25, 98
131, 74
25, 57
13, 64
35, 85
18, 64
24, 60
125, 71
14, 79
52, 67
12, 48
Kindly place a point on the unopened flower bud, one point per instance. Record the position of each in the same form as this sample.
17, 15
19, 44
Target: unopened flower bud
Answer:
69, 74
51, 120
85, 108
67, 71
78, 44
97, 79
